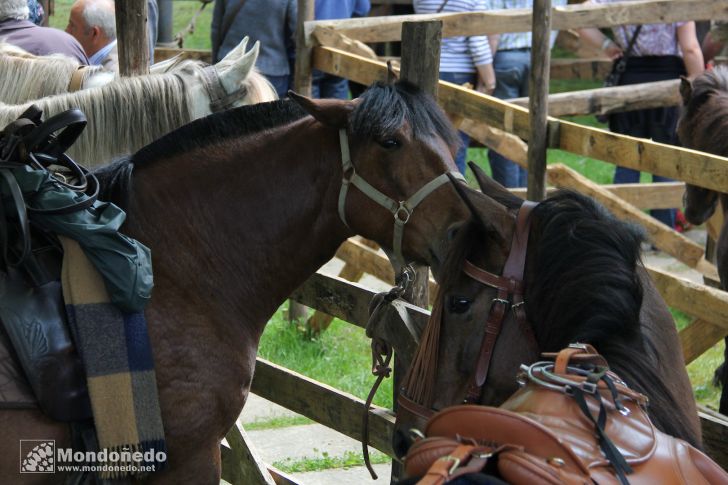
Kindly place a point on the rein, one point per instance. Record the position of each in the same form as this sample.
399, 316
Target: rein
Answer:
401, 210
417, 395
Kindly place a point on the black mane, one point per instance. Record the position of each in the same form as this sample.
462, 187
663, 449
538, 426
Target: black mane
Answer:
384, 107
583, 286
705, 118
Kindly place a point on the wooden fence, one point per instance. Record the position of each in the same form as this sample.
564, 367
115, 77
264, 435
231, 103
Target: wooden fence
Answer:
349, 301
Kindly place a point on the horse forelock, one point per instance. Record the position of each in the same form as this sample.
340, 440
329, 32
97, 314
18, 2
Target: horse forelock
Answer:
383, 108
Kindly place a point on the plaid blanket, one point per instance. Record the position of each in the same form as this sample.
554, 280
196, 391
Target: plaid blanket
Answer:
115, 350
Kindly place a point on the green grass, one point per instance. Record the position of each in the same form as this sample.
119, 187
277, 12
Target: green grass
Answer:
277, 422
184, 10
340, 357
326, 461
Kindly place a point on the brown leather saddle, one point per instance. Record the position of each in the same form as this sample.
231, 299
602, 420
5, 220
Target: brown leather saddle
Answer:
39, 366
572, 422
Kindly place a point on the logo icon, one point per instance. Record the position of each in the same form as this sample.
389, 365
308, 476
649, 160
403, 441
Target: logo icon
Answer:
37, 456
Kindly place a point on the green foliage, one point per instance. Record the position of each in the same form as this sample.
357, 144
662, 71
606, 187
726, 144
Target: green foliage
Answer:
339, 357
326, 461
184, 10
277, 422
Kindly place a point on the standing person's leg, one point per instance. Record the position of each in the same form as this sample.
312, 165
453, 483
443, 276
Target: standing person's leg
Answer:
666, 216
334, 87
510, 74
460, 78
280, 84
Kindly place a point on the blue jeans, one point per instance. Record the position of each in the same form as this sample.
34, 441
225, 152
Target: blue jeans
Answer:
280, 83
511, 74
625, 175
329, 86
461, 78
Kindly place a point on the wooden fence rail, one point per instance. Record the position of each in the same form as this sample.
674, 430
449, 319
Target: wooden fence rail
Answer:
389, 29
691, 166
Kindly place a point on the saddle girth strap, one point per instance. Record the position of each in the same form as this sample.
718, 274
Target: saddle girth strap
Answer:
510, 291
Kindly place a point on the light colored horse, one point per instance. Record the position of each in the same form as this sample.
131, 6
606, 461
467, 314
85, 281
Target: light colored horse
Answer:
129, 113
25, 76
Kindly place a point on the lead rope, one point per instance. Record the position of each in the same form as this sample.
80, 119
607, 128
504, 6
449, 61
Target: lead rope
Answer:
381, 353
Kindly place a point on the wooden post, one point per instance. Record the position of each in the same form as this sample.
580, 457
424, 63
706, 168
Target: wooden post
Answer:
538, 99
420, 65
131, 33
302, 76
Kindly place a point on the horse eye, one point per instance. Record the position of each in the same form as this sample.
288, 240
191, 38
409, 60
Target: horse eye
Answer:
389, 143
459, 304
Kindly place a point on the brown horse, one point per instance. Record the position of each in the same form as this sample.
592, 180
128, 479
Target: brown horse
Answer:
239, 209
583, 283
703, 127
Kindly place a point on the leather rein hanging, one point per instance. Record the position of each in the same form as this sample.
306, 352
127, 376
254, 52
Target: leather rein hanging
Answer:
401, 210
510, 290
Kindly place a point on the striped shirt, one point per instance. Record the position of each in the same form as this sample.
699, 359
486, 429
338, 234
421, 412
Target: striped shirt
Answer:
459, 54
517, 40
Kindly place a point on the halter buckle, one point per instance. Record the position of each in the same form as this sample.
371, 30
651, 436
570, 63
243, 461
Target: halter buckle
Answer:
402, 209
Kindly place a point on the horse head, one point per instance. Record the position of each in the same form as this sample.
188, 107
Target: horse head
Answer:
396, 147
702, 127
579, 283
230, 83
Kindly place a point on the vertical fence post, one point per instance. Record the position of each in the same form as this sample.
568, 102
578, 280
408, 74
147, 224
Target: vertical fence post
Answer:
420, 65
538, 104
131, 32
302, 79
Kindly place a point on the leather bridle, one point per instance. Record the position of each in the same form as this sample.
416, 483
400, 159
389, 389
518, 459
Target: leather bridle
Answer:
220, 99
401, 210
509, 295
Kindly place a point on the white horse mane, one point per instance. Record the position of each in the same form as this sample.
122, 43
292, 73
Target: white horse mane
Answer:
25, 76
127, 114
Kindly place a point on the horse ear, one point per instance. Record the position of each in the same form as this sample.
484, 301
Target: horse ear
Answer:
237, 51
331, 112
489, 186
391, 75
493, 217
233, 70
686, 89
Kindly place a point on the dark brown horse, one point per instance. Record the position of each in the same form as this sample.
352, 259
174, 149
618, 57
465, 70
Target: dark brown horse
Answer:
239, 208
583, 283
703, 127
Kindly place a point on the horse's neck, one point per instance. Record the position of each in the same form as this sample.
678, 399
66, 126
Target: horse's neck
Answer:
247, 220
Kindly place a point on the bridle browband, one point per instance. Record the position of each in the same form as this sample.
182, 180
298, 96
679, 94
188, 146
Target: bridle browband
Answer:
509, 295
402, 210
220, 99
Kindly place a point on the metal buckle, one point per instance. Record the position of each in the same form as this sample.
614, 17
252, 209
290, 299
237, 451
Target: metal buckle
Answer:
400, 209
455, 465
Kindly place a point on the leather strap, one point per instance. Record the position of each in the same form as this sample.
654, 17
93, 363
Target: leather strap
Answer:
220, 100
462, 460
402, 210
509, 295
76, 82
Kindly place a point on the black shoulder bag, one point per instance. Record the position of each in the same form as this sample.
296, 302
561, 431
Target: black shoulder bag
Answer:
619, 66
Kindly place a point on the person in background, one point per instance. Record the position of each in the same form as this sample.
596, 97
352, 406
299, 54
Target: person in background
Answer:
35, 12
327, 85
16, 29
272, 22
152, 27
93, 24
512, 65
463, 59
660, 52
